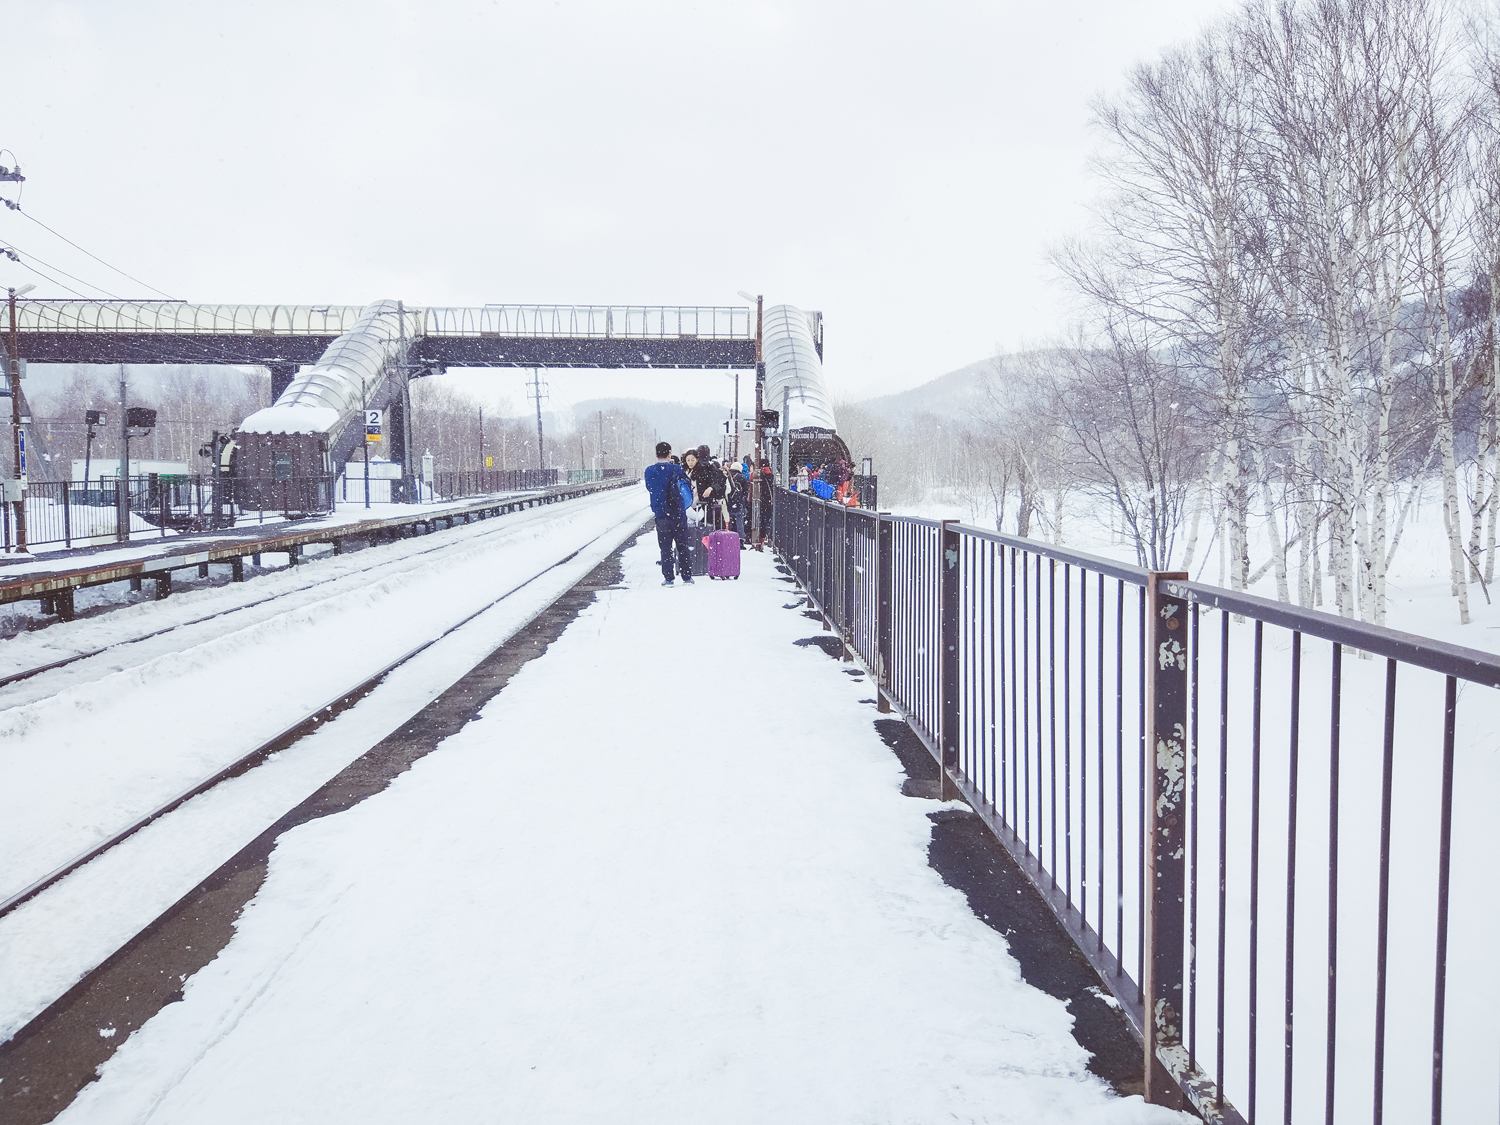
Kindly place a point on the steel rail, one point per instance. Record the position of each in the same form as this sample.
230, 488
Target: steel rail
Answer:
16, 677
1447, 659
234, 546
1099, 565
334, 706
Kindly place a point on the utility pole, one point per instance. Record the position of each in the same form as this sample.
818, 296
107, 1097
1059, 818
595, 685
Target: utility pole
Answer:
481, 439
757, 517
601, 445
408, 471
538, 390
364, 412
17, 440
122, 478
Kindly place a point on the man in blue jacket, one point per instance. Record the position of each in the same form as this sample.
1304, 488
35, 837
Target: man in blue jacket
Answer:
671, 516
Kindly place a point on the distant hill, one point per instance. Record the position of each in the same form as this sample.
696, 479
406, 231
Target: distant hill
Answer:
681, 423
954, 395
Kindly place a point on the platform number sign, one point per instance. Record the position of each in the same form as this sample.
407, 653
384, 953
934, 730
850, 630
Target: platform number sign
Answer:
374, 423
21, 454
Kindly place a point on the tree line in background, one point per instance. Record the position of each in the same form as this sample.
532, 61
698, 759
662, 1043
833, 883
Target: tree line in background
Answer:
454, 425
193, 401
1287, 325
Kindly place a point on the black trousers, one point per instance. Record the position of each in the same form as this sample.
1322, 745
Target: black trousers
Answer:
668, 534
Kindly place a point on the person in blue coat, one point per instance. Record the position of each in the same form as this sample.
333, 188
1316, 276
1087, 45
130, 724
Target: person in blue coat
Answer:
671, 517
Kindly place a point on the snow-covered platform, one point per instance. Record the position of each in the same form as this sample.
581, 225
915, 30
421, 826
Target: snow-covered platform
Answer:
668, 874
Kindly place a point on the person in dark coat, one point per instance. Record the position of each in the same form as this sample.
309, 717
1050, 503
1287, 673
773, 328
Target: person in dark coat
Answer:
661, 481
708, 485
736, 489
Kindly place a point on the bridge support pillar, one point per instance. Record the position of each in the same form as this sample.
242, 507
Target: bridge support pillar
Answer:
281, 377
399, 431
1165, 892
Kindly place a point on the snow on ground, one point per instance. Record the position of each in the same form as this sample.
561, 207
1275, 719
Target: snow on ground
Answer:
628, 891
50, 942
85, 760
190, 603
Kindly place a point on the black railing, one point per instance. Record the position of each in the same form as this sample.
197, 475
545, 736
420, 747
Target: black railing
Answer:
73, 513
1247, 859
481, 482
297, 496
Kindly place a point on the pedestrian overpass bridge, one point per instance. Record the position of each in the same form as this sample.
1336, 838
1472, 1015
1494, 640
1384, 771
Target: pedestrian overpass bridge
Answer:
282, 337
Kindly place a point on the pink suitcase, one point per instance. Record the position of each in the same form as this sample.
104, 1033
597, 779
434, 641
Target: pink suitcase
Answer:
723, 554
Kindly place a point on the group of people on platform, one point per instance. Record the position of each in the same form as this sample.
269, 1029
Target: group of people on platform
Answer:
833, 479
696, 494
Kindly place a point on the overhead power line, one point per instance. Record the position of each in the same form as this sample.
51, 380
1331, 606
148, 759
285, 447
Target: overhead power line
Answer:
53, 280
56, 269
96, 257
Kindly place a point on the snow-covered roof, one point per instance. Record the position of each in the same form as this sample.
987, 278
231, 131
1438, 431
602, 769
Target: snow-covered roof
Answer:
291, 420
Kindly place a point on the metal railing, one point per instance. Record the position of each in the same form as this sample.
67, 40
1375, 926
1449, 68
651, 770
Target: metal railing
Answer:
594, 321
1180, 791
451, 485
182, 317
580, 321
297, 496
75, 514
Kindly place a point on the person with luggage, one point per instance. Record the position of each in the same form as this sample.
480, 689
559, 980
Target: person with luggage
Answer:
671, 496
708, 486
736, 497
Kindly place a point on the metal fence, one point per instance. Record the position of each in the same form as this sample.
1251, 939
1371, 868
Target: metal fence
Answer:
74, 513
1227, 802
450, 485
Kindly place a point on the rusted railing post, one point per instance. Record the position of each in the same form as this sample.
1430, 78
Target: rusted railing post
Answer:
825, 566
1166, 837
885, 572
949, 632
846, 590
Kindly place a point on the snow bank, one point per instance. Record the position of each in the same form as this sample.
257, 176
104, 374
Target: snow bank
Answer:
601, 902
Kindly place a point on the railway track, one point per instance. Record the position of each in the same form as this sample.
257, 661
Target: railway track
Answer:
290, 583
283, 739
56, 906
52, 1041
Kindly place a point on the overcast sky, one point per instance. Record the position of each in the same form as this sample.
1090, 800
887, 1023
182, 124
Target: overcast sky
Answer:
900, 166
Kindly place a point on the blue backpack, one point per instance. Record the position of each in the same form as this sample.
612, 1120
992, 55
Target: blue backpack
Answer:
685, 495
